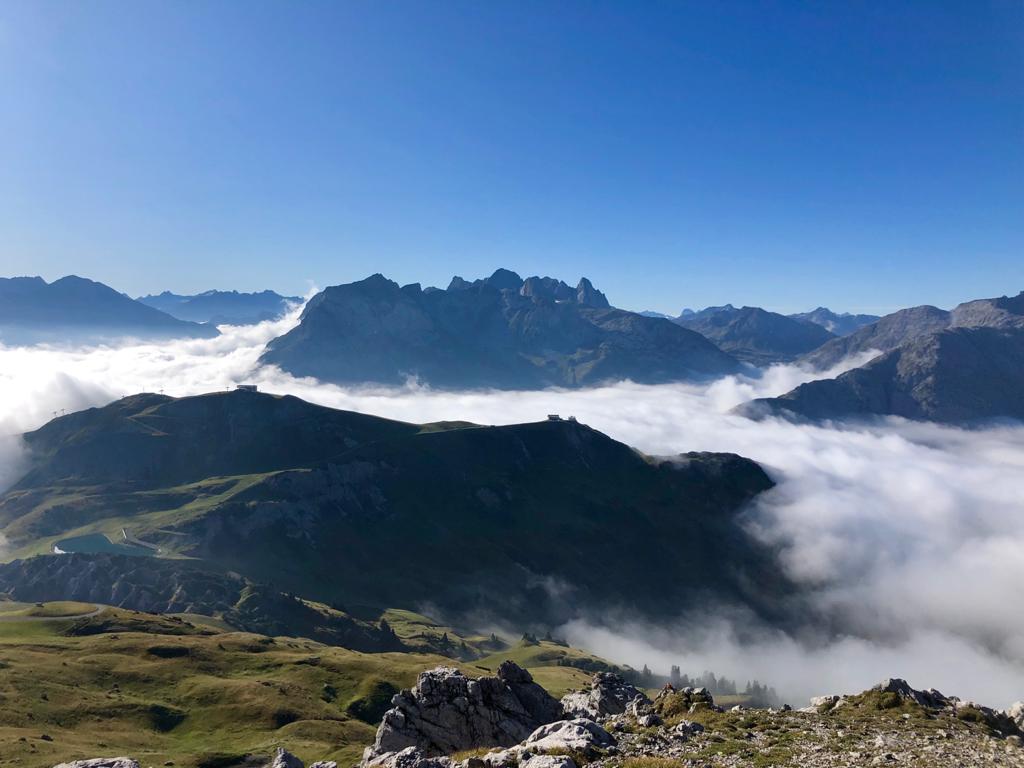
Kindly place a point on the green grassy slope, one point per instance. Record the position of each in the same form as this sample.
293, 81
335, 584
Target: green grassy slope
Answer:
161, 688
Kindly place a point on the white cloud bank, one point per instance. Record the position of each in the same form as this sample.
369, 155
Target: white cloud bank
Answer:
911, 534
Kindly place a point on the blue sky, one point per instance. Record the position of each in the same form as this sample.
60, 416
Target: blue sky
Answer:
861, 155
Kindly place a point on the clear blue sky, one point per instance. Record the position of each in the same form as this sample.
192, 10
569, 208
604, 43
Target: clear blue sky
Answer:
860, 155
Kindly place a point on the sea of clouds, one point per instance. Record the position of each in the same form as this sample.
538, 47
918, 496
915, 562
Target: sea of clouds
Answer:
908, 537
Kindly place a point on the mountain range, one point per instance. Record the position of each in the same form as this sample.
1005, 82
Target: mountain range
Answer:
839, 324
222, 307
343, 507
960, 366
501, 331
76, 309
756, 335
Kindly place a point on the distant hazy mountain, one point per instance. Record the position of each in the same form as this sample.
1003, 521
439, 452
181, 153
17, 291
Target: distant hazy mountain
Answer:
840, 325
222, 307
890, 331
755, 335
502, 331
344, 507
959, 366
75, 309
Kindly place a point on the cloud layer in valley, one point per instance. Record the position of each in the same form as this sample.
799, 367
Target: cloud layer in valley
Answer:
910, 536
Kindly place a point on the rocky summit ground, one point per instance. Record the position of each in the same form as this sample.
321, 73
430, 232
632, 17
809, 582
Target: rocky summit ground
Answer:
612, 724
449, 720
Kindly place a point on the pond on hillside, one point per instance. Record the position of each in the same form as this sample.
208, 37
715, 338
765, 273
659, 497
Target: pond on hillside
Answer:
97, 543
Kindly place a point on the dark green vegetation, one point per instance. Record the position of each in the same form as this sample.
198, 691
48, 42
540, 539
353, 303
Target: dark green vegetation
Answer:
161, 688
361, 512
756, 335
499, 332
76, 309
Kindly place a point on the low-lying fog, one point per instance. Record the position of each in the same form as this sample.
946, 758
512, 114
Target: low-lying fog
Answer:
912, 534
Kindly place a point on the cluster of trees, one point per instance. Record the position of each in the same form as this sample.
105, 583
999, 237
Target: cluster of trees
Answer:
757, 694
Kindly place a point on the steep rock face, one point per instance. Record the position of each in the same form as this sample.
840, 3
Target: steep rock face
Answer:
755, 335
447, 712
79, 310
487, 333
588, 296
955, 376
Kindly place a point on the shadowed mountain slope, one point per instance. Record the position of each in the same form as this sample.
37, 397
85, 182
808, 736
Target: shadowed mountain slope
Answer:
522, 520
957, 375
909, 324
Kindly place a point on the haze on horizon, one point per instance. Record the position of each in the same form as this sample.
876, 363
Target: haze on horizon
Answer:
865, 158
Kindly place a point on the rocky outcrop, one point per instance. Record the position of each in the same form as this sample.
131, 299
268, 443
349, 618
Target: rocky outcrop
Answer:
931, 698
548, 761
284, 759
1016, 713
101, 762
608, 694
447, 712
579, 735
671, 702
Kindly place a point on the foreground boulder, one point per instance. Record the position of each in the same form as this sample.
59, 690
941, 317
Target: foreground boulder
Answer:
608, 694
101, 762
579, 735
447, 712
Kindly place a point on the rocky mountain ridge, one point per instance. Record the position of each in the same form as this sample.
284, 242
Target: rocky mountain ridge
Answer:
841, 324
908, 325
501, 331
960, 367
222, 307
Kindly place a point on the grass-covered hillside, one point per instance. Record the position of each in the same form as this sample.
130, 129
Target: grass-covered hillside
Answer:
78, 680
